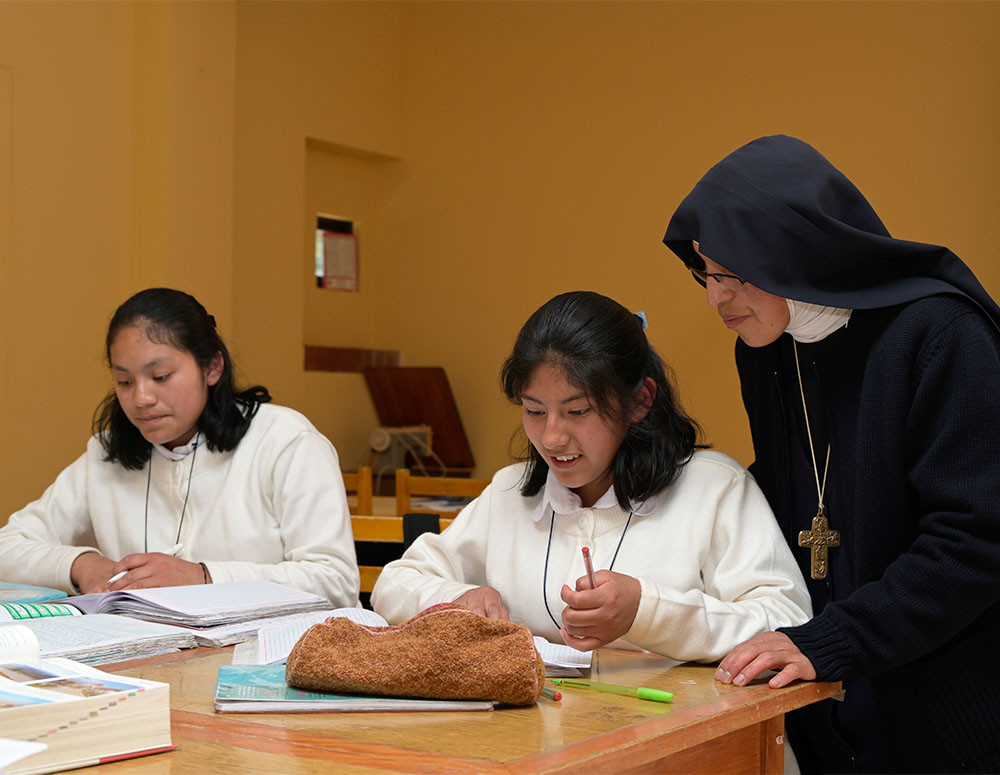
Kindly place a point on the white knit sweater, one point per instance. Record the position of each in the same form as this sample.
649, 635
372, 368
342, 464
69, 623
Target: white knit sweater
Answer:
274, 509
713, 567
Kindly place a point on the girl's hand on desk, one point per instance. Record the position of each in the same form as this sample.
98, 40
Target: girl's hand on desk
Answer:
90, 572
484, 601
155, 569
596, 617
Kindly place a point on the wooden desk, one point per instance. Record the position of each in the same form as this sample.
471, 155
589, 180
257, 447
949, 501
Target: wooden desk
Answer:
708, 728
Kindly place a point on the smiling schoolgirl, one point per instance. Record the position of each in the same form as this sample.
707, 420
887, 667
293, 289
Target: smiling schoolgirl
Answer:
181, 463
688, 556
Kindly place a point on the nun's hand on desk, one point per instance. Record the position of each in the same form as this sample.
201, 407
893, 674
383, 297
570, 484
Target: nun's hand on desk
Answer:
596, 617
767, 651
484, 601
155, 569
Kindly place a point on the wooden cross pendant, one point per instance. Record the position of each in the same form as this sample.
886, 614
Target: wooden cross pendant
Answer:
819, 539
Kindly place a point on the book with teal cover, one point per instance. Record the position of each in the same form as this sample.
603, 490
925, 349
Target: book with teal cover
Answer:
26, 593
262, 689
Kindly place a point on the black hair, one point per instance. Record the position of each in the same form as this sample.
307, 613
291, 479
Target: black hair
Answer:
175, 318
602, 349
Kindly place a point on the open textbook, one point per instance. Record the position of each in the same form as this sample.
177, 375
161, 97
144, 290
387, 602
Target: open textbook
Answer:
98, 638
201, 605
120, 627
73, 715
196, 605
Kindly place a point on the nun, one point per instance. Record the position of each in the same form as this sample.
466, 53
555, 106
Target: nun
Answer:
870, 372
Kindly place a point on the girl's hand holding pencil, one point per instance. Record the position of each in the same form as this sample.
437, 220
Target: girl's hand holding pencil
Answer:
594, 617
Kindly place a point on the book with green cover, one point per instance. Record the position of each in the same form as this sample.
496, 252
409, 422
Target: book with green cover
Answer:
262, 689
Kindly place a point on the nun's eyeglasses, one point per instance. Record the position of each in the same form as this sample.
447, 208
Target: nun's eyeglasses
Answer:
730, 282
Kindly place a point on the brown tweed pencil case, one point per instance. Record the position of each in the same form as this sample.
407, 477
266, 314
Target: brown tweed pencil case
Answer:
444, 652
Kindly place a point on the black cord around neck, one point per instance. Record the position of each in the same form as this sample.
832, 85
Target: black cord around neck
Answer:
149, 477
545, 572
548, 549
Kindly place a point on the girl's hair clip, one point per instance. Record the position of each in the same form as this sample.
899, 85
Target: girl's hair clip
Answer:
211, 319
642, 320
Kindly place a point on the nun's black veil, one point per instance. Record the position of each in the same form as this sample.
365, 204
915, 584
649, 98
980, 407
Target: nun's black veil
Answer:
779, 215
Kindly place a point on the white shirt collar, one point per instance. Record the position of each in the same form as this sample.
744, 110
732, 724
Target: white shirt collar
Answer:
562, 500
812, 322
179, 453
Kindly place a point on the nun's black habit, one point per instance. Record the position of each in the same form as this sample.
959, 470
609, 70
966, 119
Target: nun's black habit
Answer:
908, 396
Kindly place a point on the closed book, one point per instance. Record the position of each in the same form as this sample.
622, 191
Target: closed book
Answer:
81, 715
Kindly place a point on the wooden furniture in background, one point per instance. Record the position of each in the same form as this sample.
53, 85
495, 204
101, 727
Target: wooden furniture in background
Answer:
422, 396
349, 359
380, 538
408, 485
709, 727
360, 484
384, 531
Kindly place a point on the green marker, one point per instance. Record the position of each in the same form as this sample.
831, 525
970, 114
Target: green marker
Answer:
656, 695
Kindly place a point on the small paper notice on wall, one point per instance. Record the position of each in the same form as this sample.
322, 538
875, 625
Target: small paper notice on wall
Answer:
336, 254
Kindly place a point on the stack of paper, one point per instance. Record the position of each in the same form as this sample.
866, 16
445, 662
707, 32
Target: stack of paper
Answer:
275, 639
562, 660
103, 638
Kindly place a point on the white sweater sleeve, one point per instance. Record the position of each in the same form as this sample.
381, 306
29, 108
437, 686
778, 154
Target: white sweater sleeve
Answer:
40, 542
436, 568
750, 582
310, 506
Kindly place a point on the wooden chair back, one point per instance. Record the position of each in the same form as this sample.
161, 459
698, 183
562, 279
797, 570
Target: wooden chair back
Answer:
408, 485
381, 539
387, 532
360, 483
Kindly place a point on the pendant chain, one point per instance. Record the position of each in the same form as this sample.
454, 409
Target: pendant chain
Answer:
187, 494
820, 489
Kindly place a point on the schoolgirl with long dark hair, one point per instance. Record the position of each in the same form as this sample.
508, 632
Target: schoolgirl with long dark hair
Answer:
187, 479
688, 559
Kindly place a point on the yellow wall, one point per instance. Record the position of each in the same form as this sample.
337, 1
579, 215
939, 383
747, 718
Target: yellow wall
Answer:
343, 183
66, 224
549, 143
496, 153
